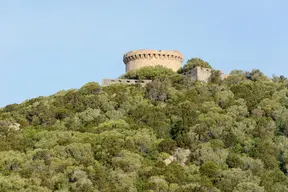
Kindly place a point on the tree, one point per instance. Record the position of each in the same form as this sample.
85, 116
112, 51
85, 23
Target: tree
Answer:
248, 187
215, 77
90, 88
231, 178
210, 169
257, 75
236, 77
281, 78
158, 90
127, 161
194, 62
158, 183
149, 73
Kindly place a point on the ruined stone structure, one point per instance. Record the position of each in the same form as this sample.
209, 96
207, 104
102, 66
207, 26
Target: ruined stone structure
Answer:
142, 58
106, 82
170, 59
201, 74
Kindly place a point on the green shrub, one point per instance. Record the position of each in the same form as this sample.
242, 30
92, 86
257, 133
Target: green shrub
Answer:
194, 62
150, 73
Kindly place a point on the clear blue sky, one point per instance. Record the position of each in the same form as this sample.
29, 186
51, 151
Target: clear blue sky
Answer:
50, 45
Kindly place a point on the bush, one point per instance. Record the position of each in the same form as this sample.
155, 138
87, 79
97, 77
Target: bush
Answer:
209, 168
194, 62
167, 145
150, 73
90, 88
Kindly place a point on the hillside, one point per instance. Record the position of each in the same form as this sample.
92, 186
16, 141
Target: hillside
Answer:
171, 135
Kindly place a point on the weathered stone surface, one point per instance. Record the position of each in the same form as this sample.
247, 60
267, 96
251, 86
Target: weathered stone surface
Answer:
181, 155
169, 160
201, 74
14, 127
142, 58
106, 82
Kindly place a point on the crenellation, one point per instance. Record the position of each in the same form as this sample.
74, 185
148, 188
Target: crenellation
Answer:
169, 59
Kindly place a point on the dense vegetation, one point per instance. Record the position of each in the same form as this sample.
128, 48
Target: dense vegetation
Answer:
194, 62
225, 136
150, 73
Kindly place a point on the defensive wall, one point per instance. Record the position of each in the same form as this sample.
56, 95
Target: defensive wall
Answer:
142, 58
201, 74
106, 82
170, 59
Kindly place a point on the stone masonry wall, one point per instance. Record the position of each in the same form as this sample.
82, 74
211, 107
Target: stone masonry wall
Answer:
142, 58
192, 74
201, 74
106, 82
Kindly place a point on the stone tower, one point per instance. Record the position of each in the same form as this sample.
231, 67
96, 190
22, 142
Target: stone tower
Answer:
142, 58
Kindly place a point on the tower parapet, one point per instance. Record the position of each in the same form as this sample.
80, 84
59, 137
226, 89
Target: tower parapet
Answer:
143, 58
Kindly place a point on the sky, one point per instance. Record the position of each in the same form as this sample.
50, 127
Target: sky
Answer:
52, 45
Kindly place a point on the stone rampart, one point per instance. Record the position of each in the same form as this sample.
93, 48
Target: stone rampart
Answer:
142, 58
201, 74
106, 82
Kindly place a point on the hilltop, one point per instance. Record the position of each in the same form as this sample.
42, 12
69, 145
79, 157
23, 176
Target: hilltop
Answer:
173, 134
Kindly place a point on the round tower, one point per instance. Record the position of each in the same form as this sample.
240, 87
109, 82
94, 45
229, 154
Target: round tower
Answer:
142, 58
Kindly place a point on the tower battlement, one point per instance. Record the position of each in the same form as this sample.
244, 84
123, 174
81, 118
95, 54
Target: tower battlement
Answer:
142, 58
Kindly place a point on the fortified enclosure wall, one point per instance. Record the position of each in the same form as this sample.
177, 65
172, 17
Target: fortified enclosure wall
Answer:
169, 59
142, 58
107, 82
201, 74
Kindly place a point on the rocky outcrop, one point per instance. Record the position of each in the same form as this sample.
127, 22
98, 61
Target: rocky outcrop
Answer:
180, 155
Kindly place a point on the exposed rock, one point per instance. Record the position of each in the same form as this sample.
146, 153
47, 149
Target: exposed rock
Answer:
14, 127
169, 160
180, 155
